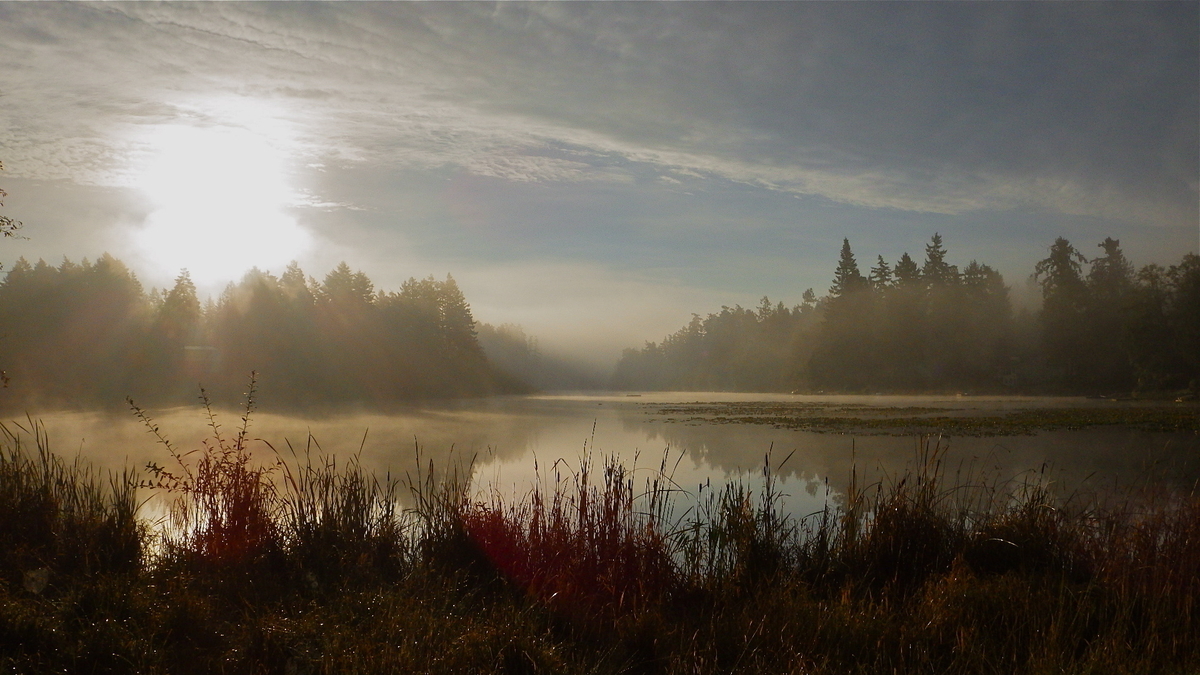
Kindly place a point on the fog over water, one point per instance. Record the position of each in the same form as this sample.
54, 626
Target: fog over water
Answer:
513, 442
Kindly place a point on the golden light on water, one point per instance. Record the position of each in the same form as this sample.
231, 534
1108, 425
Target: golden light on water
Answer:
221, 203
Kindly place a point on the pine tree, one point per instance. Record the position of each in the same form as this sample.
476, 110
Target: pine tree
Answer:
1110, 288
347, 289
295, 285
1064, 302
881, 275
847, 278
1111, 275
179, 315
843, 357
907, 273
457, 324
936, 271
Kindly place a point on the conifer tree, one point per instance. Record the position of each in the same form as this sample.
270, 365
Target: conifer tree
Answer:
1064, 302
881, 275
842, 359
907, 272
179, 314
936, 271
846, 278
1111, 275
1110, 286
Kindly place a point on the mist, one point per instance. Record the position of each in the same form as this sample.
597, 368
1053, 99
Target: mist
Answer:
922, 324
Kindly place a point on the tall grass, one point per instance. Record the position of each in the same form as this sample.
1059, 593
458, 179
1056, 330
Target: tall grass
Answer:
296, 562
338, 521
584, 549
61, 520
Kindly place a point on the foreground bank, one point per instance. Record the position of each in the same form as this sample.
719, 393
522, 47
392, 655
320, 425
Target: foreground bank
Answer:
310, 566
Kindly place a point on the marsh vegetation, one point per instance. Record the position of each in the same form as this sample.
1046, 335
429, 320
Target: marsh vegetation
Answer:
265, 561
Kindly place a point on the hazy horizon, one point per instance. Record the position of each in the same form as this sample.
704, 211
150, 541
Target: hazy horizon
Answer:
596, 173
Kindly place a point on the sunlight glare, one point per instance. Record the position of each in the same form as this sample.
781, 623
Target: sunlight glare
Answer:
221, 200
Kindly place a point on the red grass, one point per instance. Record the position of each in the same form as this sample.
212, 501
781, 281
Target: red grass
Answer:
582, 552
224, 506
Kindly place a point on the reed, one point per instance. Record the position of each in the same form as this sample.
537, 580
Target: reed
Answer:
339, 524
61, 520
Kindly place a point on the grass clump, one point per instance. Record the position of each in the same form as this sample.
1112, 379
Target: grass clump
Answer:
221, 514
337, 521
584, 549
61, 519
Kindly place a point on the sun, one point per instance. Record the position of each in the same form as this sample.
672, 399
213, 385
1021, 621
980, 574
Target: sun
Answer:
221, 203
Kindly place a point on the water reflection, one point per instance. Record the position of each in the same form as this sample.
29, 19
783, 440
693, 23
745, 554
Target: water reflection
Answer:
513, 443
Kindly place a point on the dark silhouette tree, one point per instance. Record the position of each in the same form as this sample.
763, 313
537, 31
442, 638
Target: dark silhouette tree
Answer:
986, 344
87, 334
936, 271
907, 272
881, 276
844, 356
940, 329
846, 278
1110, 288
346, 290
1184, 318
901, 320
1064, 306
943, 342
179, 315
176, 326
8, 228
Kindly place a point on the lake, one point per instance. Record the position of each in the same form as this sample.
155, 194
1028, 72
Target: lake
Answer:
510, 443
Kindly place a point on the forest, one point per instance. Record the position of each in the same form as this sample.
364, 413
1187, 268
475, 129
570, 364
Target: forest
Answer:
1104, 328
88, 334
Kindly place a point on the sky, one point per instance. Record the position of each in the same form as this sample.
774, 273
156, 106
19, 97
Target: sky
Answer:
597, 172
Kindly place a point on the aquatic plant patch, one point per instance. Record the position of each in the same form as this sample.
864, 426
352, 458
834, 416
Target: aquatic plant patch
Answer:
897, 421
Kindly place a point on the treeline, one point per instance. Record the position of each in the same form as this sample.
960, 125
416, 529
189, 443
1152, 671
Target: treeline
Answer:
934, 327
88, 335
518, 356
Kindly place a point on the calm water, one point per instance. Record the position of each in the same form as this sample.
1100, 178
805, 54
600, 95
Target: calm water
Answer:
511, 442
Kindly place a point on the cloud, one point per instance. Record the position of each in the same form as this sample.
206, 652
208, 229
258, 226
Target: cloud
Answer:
927, 108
